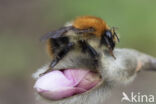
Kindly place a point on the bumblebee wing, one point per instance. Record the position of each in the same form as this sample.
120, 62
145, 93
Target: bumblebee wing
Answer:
57, 33
60, 32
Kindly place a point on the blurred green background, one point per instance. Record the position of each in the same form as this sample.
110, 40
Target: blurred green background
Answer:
23, 22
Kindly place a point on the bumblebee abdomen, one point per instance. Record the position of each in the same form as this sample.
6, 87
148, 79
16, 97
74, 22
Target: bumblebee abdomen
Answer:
85, 22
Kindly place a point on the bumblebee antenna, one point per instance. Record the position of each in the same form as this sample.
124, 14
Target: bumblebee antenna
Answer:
113, 29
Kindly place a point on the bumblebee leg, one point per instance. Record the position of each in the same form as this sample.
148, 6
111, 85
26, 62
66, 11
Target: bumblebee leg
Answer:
59, 56
92, 52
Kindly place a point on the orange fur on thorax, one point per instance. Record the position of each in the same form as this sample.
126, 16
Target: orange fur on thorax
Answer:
85, 22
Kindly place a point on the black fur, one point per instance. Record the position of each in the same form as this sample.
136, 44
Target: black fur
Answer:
61, 54
87, 48
92, 52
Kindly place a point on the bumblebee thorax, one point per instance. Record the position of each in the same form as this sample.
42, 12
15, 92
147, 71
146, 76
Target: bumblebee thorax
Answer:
85, 22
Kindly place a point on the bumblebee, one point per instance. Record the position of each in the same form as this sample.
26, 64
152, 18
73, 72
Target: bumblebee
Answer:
85, 28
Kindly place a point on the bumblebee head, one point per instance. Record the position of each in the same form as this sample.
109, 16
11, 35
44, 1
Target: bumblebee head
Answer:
109, 39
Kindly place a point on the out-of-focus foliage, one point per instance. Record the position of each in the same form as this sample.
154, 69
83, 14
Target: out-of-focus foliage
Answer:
23, 22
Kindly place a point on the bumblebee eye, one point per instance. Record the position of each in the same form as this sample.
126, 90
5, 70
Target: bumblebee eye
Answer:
108, 34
